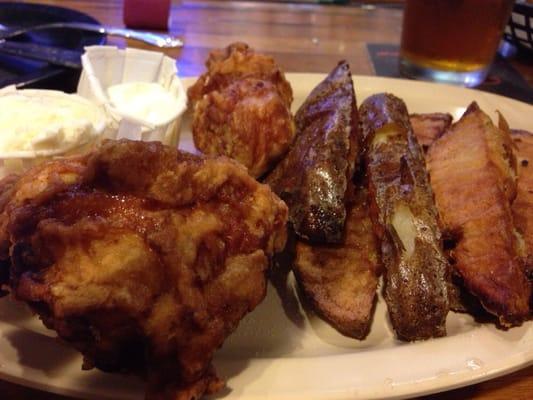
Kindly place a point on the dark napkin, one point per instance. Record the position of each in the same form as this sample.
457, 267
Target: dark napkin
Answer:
503, 79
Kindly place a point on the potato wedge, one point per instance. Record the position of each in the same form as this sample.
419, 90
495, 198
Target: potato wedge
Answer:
313, 178
473, 176
341, 280
405, 219
429, 127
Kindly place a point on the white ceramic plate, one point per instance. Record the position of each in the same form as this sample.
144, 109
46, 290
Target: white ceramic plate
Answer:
280, 351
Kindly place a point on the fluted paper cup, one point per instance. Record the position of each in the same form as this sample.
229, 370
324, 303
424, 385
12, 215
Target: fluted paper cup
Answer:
106, 66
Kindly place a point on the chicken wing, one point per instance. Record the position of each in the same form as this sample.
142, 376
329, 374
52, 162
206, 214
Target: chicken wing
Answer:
472, 170
247, 121
143, 257
417, 273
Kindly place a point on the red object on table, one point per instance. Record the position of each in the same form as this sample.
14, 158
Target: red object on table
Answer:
146, 14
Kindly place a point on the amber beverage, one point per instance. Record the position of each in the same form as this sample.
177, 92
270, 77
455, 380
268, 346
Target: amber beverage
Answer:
452, 40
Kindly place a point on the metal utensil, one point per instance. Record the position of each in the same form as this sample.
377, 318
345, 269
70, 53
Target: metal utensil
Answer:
155, 39
52, 55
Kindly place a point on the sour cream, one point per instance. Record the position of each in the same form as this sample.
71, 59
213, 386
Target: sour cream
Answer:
46, 122
146, 101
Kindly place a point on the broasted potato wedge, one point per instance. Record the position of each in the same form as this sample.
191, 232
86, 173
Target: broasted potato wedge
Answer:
405, 219
473, 176
429, 127
341, 280
523, 204
313, 177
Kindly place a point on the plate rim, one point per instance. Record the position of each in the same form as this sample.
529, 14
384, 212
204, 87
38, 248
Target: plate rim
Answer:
187, 80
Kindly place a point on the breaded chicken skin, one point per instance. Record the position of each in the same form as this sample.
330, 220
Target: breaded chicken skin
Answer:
523, 204
235, 62
143, 257
242, 109
247, 121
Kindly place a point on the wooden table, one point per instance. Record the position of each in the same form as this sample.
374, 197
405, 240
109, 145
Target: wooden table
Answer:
301, 37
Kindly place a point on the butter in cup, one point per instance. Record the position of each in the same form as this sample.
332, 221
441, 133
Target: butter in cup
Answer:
147, 101
126, 80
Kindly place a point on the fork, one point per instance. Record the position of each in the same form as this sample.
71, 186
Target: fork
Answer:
155, 39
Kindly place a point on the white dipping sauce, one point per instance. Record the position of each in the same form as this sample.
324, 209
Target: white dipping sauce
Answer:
43, 121
147, 101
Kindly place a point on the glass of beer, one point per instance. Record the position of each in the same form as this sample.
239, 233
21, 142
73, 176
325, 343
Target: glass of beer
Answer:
452, 41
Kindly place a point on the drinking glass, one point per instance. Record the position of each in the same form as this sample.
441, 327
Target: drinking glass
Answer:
452, 41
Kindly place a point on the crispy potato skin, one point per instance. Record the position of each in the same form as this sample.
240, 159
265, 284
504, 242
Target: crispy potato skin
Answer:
341, 280
247, 121
429, 127
522, 207
143, 257
313, 178
473, 178
405, 220
336, 263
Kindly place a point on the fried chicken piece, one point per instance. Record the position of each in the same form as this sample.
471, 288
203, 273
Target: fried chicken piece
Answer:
522, 207
143, 257
7, 186
313, 178
242, 109
235, 62
405, 219
472, 171
341, 280
429, 127
247, 121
